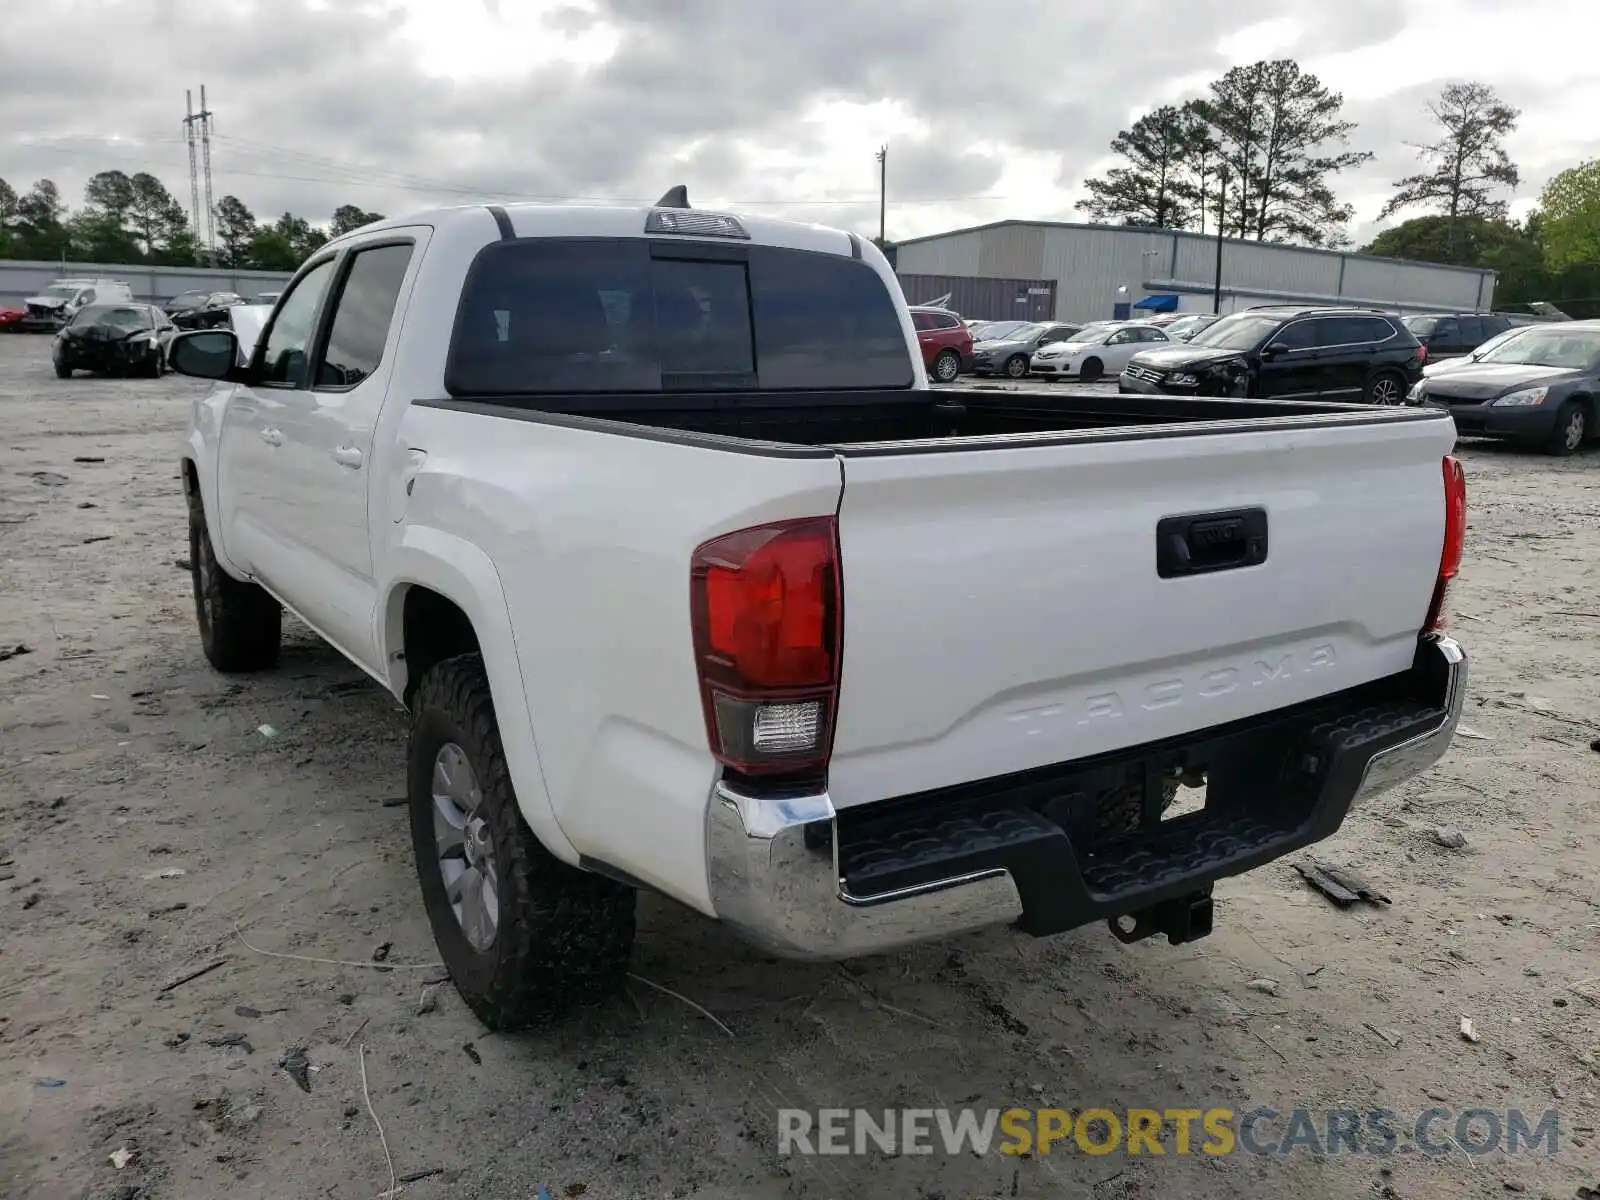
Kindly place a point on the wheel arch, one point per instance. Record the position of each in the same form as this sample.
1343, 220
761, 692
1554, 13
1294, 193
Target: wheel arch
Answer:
444, 597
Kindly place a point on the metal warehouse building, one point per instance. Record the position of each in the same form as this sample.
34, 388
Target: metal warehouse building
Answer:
1042, 269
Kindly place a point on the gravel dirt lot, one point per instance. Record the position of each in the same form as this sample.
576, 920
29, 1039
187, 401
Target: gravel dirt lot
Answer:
150, 818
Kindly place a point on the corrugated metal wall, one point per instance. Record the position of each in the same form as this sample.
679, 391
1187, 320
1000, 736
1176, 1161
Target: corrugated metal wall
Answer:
990, 299
19, 279
1097, 266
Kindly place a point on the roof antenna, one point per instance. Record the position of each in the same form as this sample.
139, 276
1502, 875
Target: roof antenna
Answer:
675, 197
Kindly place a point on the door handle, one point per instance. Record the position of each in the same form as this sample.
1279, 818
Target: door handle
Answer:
272, 437
348, 456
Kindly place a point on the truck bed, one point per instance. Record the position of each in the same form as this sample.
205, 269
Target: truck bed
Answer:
884, 421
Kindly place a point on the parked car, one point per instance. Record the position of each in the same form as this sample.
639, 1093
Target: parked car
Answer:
946, 342
184, 301
691, 583
209, 313
1538, 388
11, 318
1290, 353
1006, 349
1445, 365
62, 300
1454, 335
114, 339
1186, 326
1090, 353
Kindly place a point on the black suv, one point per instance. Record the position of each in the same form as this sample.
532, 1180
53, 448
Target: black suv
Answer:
1287, 352
1452, 335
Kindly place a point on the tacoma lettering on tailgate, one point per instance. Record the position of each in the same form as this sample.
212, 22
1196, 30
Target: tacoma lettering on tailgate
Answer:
1169, 693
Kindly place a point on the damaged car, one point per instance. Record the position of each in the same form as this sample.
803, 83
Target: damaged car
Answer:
114, 339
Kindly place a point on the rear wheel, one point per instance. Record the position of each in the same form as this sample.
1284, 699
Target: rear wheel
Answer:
524, 935
241, 625
1385, 389
1017, 366
1571, 430
1091, 370
946, 366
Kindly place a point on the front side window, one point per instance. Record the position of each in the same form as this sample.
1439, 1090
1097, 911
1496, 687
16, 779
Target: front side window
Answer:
283, 353
604, 315
362, 315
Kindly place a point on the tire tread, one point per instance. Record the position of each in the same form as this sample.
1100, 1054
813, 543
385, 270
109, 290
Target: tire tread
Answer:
565, 935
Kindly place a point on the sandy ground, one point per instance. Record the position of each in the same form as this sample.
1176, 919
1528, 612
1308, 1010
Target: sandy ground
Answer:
148, 819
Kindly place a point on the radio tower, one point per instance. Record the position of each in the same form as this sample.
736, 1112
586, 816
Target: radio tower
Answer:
194, 177
197, 128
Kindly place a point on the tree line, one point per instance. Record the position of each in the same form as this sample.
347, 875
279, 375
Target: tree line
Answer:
131, 219
1258, 154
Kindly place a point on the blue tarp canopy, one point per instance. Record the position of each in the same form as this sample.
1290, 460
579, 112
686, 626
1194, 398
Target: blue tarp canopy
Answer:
1158, 304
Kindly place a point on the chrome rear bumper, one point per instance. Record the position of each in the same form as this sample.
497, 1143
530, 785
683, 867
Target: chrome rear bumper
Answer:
775, 878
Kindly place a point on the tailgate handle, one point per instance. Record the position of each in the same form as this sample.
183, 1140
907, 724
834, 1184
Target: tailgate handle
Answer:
1216, 541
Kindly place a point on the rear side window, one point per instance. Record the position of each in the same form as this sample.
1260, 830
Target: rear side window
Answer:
945, 321
922, 321
362, 315
599, 315
1357, 331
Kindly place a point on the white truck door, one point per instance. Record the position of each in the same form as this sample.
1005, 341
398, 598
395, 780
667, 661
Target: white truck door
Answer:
252, 477
328, 447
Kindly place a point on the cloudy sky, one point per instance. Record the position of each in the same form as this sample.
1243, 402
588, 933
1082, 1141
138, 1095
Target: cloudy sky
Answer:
989, 110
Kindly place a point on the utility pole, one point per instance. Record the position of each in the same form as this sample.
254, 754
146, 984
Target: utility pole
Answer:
197, 133
194, 176
883, 196
205, 144
1222, 206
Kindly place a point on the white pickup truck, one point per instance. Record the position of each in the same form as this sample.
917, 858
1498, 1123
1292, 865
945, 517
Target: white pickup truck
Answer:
690, 583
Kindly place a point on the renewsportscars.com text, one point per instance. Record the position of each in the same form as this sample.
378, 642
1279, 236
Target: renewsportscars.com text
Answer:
1434, 1132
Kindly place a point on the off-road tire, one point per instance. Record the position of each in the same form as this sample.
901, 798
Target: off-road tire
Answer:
564, 935
1091, 370
241, 625
1562, 441
946, 366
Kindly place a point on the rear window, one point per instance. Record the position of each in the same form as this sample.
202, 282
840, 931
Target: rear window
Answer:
558, 316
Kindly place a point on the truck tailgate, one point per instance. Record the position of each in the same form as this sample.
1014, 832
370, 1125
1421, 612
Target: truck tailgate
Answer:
1003, 608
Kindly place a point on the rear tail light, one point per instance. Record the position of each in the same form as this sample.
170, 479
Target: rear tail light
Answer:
765, 605
1455, 539
1422, 355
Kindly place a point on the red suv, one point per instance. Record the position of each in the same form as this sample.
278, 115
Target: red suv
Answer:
946, 342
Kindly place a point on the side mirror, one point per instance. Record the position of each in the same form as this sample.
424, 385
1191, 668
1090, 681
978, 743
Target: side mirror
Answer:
205, 354
1276, 349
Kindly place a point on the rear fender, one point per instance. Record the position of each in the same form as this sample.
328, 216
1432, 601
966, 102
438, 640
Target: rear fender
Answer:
464, 574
